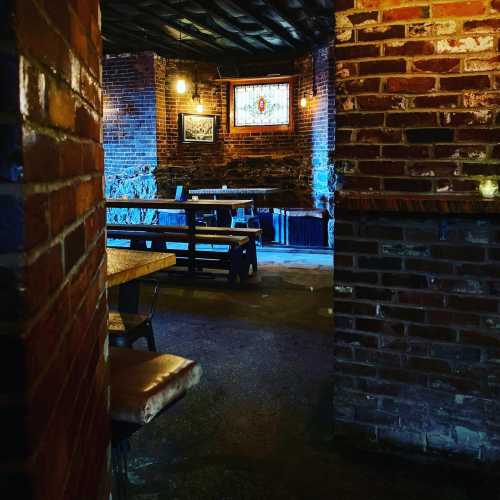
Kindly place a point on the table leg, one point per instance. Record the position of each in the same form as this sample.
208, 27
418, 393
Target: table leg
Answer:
128, 297
191, 222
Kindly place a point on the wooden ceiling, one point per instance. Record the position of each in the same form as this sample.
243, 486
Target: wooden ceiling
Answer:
216, 30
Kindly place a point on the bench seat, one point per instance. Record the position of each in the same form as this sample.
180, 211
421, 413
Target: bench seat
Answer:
236, 260
251, 233
233, 231
211, 239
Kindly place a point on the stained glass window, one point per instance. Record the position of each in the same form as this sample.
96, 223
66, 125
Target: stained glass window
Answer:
264, 104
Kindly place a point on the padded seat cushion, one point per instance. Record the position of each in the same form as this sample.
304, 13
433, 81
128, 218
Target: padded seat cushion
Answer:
143, 383
119, 322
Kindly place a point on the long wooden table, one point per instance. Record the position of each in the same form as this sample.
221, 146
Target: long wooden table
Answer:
190, 207
125, 266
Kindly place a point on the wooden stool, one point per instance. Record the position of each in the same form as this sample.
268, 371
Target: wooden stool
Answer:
126, 328
143, 384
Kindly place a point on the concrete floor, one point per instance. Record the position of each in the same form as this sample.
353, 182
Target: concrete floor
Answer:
259, 425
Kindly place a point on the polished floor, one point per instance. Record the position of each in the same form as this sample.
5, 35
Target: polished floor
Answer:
259, 425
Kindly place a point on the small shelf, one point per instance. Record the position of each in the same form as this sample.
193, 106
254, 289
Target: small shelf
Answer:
452, 203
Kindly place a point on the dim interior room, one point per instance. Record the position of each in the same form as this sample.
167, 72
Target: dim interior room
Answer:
250, 249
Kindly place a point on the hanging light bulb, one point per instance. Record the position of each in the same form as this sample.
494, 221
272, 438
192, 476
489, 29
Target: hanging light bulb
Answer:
181, 86
303, 102
199, 108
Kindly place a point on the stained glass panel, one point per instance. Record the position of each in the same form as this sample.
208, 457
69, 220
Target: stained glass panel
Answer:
262, 104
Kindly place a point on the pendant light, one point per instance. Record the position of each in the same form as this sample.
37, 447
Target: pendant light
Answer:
181, 82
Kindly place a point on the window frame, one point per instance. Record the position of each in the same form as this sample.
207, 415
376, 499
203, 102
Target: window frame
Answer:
248, 129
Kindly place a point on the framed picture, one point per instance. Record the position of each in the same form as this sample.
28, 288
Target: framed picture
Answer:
197, 128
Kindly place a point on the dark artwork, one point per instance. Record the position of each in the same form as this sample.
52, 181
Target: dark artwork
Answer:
197, 128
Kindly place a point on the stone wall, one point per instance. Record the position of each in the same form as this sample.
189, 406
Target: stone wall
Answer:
54, 389
416, 255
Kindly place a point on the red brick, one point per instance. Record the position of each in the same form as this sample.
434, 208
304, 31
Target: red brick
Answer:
436, 101
449, 65
41, 157
375, 33
62, 209
358, 183
382, 66
459, 9
478, 135
411, 119
362, 85
405, 13
379, 136
382, 168
356, 52
345, 151
415, 85
412, 48
482, 26
61, 106
479, 82
380, 102
405, 152
408, 185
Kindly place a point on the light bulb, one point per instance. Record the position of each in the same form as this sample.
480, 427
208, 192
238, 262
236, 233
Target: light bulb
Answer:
181, 86
303, 102
199, 108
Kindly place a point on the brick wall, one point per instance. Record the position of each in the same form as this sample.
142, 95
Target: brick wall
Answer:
54, 384
285, 160
129, 131
417, 319
417, 94
416, 257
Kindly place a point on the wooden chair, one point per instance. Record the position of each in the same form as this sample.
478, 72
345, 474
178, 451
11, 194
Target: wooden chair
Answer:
143, 385
125, 329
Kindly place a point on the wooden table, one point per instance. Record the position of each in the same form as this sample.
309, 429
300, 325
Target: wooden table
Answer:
125, 266
232, 191
190, 207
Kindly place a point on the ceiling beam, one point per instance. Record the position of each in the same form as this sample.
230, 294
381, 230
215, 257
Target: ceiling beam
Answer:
212, 7
318, 11
157, 22
238, 41
274, 27
286, 16
146, 43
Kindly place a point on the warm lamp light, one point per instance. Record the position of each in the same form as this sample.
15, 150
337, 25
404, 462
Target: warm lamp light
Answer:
181, 86
488, 188
199, 108
303, 102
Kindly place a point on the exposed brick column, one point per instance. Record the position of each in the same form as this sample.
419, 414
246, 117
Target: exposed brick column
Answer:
417, 308
417, 94
54, 386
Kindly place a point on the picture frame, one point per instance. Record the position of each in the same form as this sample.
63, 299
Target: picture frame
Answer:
196, 128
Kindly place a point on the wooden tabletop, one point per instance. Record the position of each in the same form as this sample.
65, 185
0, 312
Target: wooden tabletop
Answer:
127, 265
170, 203
229, 191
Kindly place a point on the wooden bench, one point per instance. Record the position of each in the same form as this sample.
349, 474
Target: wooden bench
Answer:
253, 234
236, 260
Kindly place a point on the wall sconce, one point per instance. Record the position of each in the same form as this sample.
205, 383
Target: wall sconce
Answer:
197, 96
488, 188
303, 102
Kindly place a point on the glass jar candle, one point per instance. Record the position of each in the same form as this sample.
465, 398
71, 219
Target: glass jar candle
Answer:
488, 188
